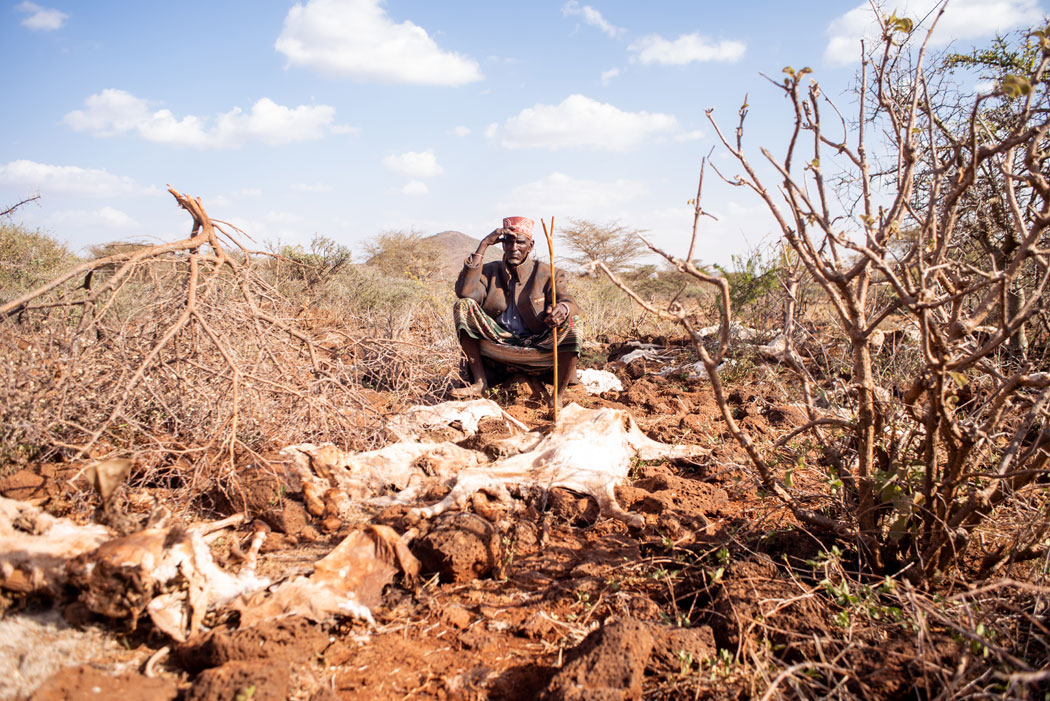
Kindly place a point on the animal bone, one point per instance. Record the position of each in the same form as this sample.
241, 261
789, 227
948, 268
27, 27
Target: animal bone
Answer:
737, 332
589, 451
35, 545
125, 576
347, 581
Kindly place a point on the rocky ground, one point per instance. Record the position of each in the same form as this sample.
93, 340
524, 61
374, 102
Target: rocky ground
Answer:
719, 595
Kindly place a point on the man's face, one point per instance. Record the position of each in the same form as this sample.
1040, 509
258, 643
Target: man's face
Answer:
516, 248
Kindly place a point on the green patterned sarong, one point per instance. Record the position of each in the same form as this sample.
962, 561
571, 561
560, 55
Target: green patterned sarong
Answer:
499, 344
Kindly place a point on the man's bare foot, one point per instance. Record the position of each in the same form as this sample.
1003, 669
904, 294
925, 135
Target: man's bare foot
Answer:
469, 391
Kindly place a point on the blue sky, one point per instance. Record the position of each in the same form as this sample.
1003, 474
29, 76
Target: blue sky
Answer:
350, 117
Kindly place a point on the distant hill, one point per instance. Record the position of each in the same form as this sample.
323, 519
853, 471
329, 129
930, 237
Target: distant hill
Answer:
451, 247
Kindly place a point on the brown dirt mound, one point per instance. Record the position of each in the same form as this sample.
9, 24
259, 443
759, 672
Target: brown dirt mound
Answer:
258, 681
461, 547
292, 639
608, 665
86, 682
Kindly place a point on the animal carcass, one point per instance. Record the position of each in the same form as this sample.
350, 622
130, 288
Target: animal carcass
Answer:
589, 451
35, 545
167, 572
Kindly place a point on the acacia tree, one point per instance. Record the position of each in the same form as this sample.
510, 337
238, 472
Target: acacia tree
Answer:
611, 243
925, 461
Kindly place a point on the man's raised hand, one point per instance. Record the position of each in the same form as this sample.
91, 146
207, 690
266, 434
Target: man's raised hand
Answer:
492, 239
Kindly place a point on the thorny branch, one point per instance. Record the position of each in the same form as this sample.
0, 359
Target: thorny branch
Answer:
185, 356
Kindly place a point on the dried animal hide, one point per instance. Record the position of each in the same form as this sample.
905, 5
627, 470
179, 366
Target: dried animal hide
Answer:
589, 451
737, 332
599, 381
777, 350
405, 467
409, 425
35, 545
348, 581
401, 467
167, 572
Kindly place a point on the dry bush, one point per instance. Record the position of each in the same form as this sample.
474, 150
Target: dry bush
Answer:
188, 357
605, 313
403, 254
30, 257
929, 447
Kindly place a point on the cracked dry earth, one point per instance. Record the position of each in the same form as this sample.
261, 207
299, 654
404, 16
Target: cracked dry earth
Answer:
540, 598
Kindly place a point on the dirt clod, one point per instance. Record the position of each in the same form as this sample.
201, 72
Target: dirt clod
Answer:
461, 547
25, 485
609, 664
87, 682
258, 681
677, 650
572, 508
292, 639
288, 517
457, 616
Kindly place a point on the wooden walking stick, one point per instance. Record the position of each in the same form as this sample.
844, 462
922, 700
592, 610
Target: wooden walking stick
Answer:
554, 303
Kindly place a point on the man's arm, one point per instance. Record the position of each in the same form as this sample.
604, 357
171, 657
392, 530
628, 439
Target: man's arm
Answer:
471, 282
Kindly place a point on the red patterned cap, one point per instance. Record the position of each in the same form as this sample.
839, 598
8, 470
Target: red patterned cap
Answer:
519, 225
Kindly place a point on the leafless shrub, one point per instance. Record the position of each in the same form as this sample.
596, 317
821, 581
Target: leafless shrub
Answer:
186, 356
959, 430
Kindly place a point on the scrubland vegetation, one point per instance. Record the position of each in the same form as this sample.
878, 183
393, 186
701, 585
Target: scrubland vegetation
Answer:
907, 287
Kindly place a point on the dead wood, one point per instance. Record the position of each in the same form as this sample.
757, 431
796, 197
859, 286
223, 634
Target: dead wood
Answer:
185, 358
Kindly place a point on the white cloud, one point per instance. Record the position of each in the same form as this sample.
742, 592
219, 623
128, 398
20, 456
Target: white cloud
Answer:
570, 197
688, 48
315, 187
248, 192
415, 188
580, 122
42, 19
461, 131
357, 39
964, 19
415, 164
107, 217
608, 75
278, 218
113, 112
592, 17
693, 135
68, 180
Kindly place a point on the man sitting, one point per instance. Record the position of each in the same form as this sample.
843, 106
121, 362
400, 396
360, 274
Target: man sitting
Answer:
505, 311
